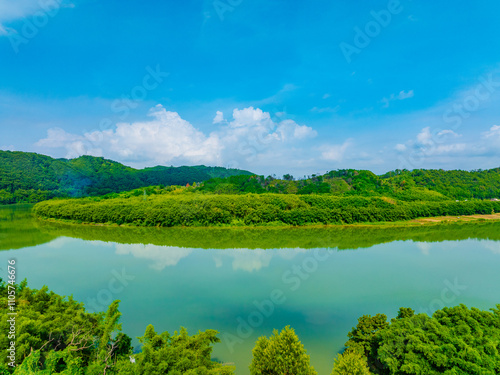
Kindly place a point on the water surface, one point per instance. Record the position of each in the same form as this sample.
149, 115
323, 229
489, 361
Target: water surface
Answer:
246, 282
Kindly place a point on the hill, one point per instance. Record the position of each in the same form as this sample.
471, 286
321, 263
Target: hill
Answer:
416, 185
31, 177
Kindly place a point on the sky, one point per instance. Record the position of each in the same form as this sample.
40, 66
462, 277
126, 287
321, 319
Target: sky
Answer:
274, 86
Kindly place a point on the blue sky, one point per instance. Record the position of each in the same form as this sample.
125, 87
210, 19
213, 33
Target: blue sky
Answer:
270, 86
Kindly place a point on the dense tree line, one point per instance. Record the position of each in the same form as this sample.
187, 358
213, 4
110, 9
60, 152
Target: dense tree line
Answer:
29, 177
416, 185
252, 209
55, 335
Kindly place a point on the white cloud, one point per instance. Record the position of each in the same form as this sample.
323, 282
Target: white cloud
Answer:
326, 96
494, 247
250, 260
335, 152
453, 148
433, 143
405, 95
424, 247
162, 256
402, 95
425, 136
289, 129
493, 132
11, 10
219, 117
168, 139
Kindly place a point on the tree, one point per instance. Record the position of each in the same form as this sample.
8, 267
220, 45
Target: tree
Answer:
351, 362
362, 335
176, 354
455, 340
282, 353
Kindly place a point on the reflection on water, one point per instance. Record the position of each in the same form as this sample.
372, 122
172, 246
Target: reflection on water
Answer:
225, 279
18, 228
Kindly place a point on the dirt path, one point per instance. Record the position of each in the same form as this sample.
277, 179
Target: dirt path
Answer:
439, 219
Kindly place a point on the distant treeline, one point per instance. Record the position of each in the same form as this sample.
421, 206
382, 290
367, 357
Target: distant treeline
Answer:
29, 177
252, 209
416, 185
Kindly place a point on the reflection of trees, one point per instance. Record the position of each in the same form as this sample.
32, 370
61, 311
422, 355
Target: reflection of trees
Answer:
18, 228
352, 237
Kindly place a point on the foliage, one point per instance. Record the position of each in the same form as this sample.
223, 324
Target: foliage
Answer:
29, 177
417, 185
282, 353
455, 184
176, 354
18, 229
48, 322
193, 209
455, 340
351, 362
54, 335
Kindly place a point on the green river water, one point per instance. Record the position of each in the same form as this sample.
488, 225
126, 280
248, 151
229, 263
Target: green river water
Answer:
246, 282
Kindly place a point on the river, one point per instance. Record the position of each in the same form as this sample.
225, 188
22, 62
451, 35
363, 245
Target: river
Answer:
247, 282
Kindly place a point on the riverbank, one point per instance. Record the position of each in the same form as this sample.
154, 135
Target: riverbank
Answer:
200, 210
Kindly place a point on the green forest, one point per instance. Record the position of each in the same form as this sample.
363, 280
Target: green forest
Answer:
419, 184
55, 335
29, 177
192, 209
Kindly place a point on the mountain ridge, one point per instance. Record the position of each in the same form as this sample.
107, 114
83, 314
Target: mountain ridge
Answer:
32, 177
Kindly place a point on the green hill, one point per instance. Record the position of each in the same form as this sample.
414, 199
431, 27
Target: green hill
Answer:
30, 177
416, 185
